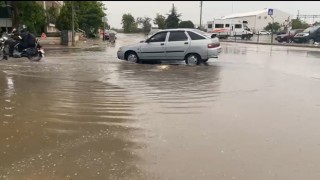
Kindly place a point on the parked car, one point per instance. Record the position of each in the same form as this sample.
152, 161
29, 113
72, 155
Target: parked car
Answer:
309, 35
107, 34
288, 37
191, 45
263, 32
280, 32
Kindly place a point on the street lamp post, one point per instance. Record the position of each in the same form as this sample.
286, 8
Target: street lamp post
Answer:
104, 19
104, 28
200, 13
272, 29
72, 23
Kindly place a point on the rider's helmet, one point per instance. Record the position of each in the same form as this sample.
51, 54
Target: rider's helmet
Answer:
22, 28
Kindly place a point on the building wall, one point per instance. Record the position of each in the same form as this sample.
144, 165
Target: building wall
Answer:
5, 17
6, 20
278, 16
258, 22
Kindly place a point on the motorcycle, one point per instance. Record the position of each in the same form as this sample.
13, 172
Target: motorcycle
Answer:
35, 53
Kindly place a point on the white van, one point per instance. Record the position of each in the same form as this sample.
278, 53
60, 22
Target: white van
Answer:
225, 28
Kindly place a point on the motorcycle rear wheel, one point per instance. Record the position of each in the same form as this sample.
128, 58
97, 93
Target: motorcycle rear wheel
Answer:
36, 57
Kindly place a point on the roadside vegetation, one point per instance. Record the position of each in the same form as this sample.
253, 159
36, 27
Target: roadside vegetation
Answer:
87, 16
171, 20
294, 24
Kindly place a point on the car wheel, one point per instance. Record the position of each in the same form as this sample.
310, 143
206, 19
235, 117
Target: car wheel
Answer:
193, 59
311, 41
132, 57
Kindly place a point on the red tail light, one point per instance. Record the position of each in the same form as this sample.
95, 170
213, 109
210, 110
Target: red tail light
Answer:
213, 45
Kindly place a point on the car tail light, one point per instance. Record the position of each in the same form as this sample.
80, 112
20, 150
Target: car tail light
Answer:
213, 45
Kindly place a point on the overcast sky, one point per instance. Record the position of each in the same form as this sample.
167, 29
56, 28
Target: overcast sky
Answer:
190, 10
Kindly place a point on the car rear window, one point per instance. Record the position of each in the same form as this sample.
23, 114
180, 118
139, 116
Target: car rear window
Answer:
195, 36
178, 36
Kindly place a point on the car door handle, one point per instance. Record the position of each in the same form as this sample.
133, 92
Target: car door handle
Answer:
186, 43
162, 44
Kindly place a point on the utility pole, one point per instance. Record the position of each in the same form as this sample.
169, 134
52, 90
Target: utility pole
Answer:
72, 23
232, 6
272, 29
200, 13
104, 28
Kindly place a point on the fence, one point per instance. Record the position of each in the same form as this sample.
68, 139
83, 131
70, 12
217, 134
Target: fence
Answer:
275, 38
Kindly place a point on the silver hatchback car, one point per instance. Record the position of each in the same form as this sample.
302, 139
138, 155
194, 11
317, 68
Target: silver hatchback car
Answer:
191, 45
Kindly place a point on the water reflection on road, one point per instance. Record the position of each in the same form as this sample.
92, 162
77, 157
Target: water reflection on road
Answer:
251, 114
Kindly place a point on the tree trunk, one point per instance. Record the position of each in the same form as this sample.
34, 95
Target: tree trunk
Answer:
16, 17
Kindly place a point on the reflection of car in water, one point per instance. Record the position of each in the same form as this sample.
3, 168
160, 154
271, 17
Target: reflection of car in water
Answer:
173, 44
171, 80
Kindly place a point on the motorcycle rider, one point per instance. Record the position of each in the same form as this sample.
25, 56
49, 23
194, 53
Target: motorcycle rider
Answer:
24, 37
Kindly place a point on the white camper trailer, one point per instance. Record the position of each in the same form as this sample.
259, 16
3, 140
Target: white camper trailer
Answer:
225, 28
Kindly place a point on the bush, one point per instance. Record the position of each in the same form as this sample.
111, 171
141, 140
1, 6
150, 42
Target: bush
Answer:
186, 24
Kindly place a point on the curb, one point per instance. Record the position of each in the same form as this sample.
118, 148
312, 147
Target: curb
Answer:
61, 48
273, 44
50, 47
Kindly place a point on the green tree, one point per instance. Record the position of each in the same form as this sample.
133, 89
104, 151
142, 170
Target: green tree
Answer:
64, 19
298, 24
15, 19
186, 24
32, 15
275, 26
128, 23
316, 23
89, 15
145, 22
160, 20
172, 20
52, 15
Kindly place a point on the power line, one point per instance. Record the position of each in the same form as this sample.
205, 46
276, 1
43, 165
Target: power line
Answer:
306, 16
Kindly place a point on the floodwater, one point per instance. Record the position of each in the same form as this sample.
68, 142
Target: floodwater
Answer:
251, 114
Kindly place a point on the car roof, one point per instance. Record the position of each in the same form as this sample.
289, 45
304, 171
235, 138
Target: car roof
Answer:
180, 29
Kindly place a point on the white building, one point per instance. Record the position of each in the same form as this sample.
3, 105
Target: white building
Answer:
257, 20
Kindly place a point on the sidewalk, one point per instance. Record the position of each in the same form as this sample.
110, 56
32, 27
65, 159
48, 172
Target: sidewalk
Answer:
273, 44
55, 45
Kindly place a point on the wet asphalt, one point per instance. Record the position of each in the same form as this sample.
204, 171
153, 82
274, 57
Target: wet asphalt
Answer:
253, 113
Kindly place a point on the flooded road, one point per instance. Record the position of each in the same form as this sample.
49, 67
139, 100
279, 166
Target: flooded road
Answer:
253, 113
